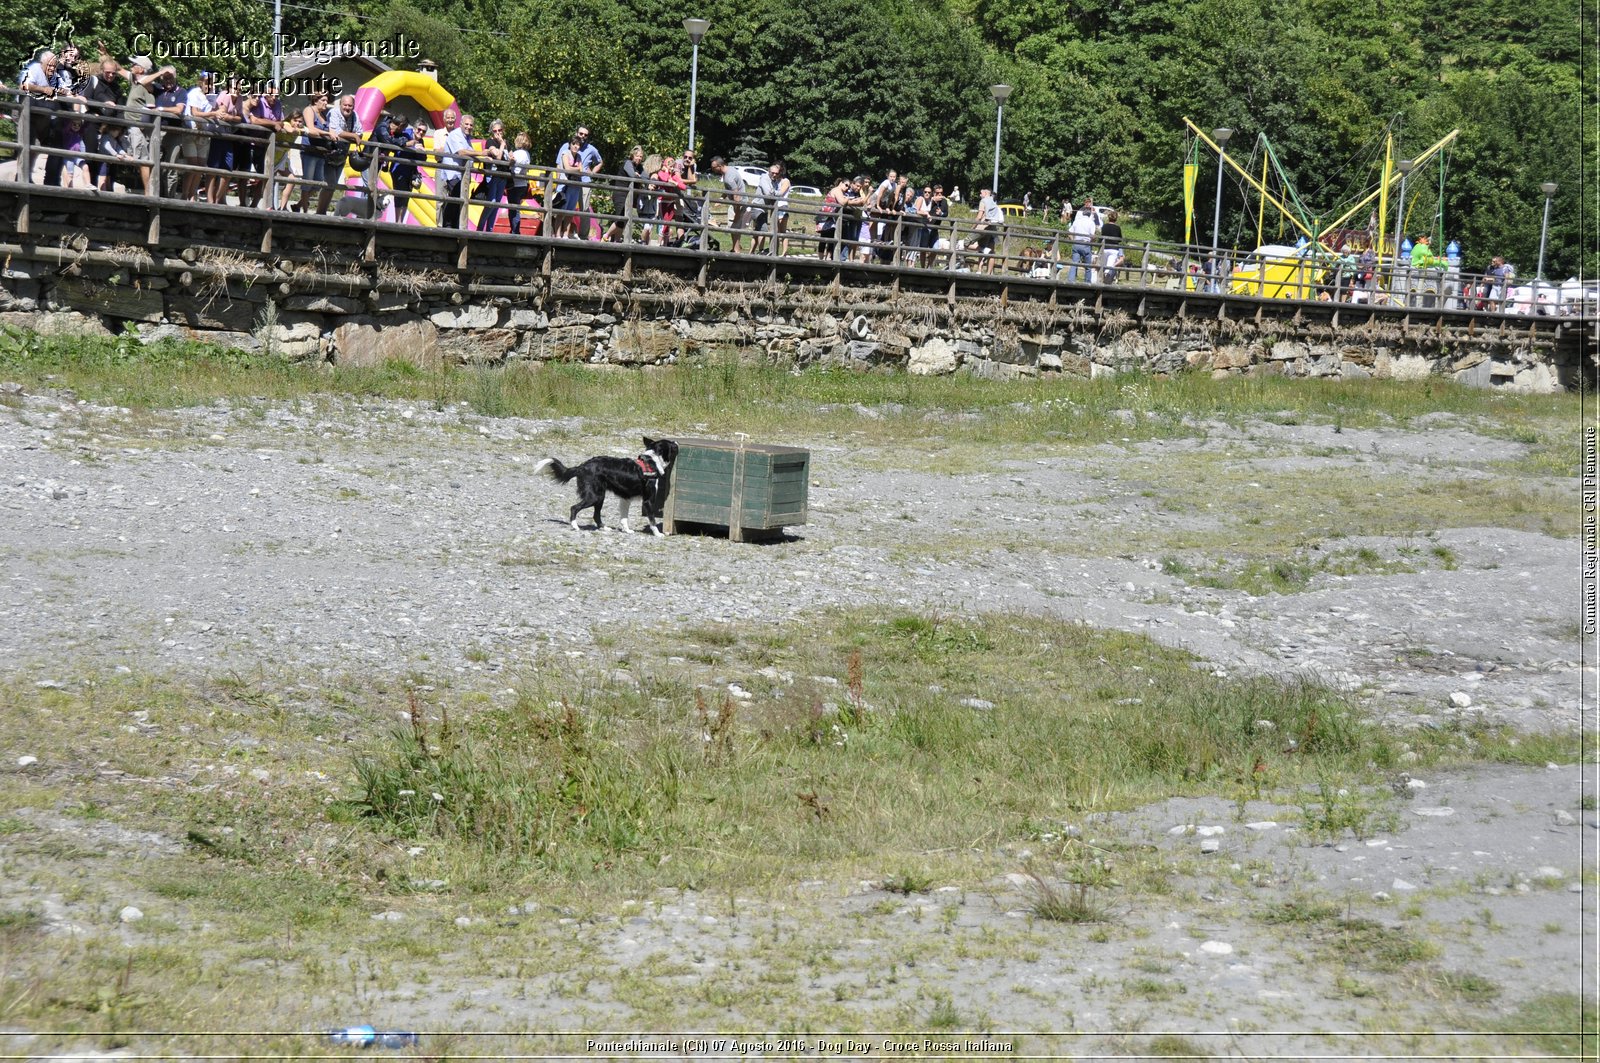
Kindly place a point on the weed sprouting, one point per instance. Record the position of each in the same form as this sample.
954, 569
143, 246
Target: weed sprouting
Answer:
1069, 903
908, 882
716, 728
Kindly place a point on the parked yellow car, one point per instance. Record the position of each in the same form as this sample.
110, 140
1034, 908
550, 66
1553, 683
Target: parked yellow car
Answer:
1278, 271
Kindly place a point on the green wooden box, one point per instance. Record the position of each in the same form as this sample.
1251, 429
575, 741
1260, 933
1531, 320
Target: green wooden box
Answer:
745, 487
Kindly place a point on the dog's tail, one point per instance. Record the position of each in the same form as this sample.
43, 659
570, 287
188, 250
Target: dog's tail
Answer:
558, 472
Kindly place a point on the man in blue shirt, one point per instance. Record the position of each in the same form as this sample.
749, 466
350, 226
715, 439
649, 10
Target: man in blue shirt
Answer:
590, 160
455, 154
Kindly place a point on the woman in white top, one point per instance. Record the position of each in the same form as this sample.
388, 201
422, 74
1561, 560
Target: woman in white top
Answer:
517, 189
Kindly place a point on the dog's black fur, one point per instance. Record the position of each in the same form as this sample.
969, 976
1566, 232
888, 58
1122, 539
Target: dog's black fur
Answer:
644, 478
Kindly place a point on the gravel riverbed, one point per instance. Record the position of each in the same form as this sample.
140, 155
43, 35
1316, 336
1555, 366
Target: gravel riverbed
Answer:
369, 536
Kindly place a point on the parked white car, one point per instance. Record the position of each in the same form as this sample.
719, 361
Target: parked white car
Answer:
805, 191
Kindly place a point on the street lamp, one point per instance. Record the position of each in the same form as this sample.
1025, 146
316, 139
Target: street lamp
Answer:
999, 92
1405, 167
697, 29
1221, 136
1549, 190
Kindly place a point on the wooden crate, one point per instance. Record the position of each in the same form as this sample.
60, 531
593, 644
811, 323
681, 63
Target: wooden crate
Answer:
745, 487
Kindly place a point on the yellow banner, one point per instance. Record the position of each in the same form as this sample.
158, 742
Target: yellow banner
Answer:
1190, 172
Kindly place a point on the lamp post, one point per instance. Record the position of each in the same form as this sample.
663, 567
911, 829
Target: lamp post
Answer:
1549, 190
999, 92
697, 29
1221, 136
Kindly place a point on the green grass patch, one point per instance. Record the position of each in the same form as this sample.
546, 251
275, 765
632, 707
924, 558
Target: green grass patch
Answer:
665, 784
1557, 1024
725, 393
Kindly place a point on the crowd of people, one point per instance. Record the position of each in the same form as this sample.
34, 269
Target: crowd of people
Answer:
241, 132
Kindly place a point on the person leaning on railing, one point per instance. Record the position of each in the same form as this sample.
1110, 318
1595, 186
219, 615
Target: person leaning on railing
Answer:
39, 85
403, 151
263, 118
102, 94
227, 113
455, 154
496, 157
636, 181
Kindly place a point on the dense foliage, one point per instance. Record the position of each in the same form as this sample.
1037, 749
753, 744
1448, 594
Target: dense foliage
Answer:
1101, 90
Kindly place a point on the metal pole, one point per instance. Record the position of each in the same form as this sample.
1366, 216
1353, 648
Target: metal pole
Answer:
999, 92
1221, 136
694, 90
1404, 165
277, 41
1549, 190
696, 28
999, 110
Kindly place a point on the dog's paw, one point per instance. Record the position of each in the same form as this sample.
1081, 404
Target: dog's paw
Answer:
657, 532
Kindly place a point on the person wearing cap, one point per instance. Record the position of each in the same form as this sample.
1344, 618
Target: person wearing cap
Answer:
141, 102
169, 104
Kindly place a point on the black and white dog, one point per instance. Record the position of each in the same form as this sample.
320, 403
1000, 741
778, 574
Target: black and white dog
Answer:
644, 478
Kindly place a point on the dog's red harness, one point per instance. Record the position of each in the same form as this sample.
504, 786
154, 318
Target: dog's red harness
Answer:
648, 467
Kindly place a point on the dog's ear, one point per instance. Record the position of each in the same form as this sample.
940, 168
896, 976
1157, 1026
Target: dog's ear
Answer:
648, 443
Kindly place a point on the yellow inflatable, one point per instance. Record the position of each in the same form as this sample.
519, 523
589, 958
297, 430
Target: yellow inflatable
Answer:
372, 99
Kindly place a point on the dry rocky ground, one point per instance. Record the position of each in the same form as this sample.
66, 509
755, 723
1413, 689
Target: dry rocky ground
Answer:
372, 537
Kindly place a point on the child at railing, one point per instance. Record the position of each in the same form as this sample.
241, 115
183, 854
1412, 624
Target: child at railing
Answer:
115, 142
75, 171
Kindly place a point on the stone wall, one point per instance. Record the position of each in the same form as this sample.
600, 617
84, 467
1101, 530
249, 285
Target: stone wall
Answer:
365, 318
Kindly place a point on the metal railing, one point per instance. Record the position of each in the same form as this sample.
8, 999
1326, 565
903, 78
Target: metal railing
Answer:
387, 183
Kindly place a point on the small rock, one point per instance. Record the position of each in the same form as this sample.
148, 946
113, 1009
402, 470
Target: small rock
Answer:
1402, 885
1210, 845
388, 917
27, 761
1442, 810
1182, 828
1264, 824
1563, 817
130, 914
977, 703
1416, 784
1461, 700
1548, 873
1210, 831
463, 921
1380, 895
1217, 948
